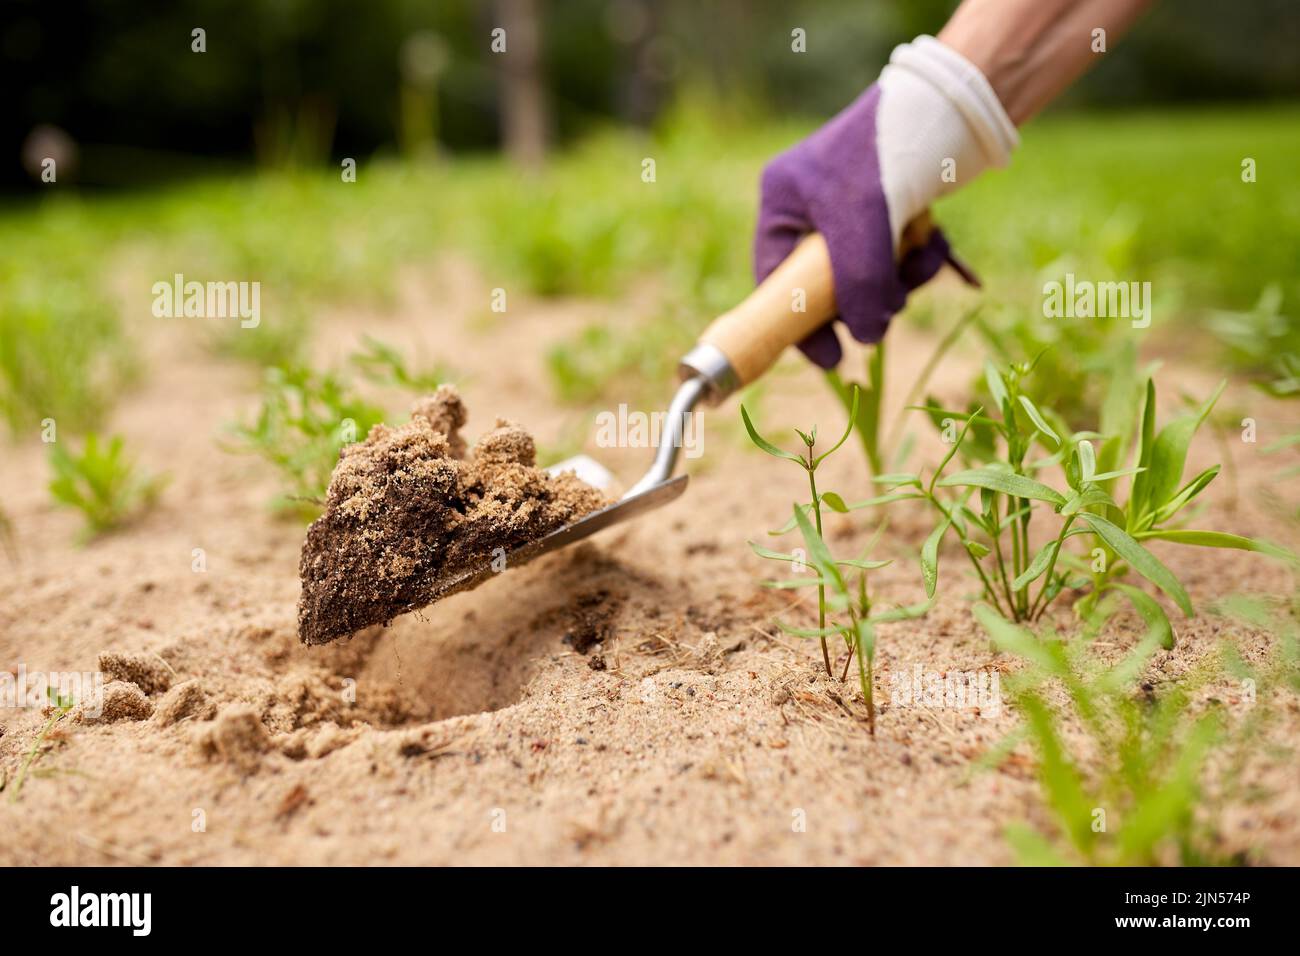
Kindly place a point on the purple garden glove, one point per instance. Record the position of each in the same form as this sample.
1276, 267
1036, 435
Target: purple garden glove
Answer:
830, 183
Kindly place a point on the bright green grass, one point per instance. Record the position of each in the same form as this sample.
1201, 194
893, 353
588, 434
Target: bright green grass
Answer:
1145, 196
1137, 196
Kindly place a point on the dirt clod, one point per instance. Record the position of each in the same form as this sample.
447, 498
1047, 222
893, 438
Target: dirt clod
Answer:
148, 672
187, 699
406, 513
122, 700
237, 736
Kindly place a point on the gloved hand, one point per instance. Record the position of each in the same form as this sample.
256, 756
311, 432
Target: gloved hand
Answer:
872, 170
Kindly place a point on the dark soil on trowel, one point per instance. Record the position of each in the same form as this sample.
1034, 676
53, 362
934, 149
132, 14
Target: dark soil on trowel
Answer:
408, 513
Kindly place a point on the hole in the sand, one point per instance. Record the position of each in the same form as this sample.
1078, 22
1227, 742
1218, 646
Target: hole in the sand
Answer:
477, 651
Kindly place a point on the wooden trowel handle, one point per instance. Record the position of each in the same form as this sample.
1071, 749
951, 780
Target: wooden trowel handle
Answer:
754, 334
791, 303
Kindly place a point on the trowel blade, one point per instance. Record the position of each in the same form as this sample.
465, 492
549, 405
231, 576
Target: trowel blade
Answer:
620, 511
587, 469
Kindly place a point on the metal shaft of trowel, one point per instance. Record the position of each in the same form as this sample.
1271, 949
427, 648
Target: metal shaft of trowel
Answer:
707, 376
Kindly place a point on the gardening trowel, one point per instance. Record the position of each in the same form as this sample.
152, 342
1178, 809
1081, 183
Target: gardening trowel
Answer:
737, 348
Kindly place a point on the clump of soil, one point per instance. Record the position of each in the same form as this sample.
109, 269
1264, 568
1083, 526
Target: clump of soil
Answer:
150, 674
408, 513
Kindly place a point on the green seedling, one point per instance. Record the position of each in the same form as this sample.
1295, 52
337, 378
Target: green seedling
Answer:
62, 351
381, 364
62, 706
1129, 794
102, 483
990, 504
1256, 338
305, 420
1087, 367
844, 605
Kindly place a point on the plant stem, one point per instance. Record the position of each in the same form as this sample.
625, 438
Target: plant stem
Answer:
1002, 567
988, 587
821, 588
1023, 521
1035, 611
34, 752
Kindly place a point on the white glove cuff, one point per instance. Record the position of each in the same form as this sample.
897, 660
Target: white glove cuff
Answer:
939, 125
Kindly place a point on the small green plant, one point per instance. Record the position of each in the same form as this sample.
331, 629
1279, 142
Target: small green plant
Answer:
1128, 796
844, 606
102, 483
305, 419
61, 707
307, 416
381, 364
1130, 793
990, 505
62, 351
1256, 338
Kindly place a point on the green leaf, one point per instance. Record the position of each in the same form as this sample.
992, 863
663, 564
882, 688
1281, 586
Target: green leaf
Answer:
1142, 560
866, 646
809, 631
977, 550
1090, 497
884, 499
997, 387
863, 565
1008, 483
955, 445
763, 552
1152, 613
790, 584
789, 525
834, 502
1018, 640
848, 430
818, 553
1219, 539
1037, 418
1137, 505
930, 557
1118, 473
764, 444
1087, 462
1037, 566
1169, 455
1185, 495
909, 612
898, 479
1061, 779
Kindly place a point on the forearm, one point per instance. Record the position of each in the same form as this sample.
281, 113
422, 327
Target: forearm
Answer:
1031, 50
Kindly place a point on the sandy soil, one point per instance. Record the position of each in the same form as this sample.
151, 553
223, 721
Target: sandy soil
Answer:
691, 731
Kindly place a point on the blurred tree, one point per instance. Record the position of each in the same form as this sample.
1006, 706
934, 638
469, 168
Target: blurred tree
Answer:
523, 94
292, 81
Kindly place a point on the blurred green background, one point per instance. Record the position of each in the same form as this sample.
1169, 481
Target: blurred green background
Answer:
229, 161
